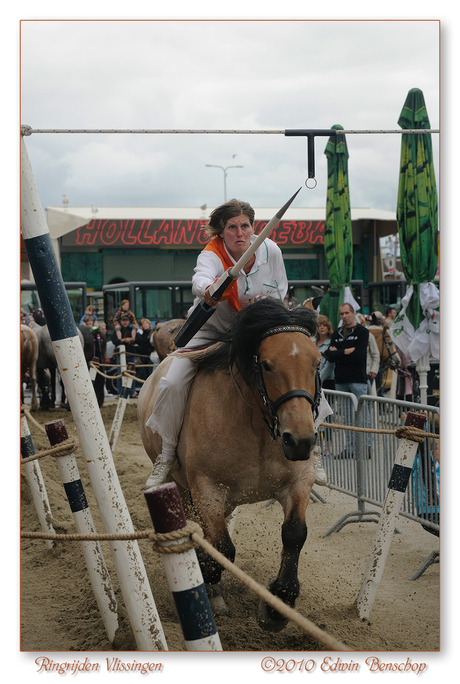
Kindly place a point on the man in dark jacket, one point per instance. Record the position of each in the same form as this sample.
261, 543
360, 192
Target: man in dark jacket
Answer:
348, 350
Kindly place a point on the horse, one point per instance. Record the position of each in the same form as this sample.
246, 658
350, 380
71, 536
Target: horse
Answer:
47, 365
162, 338
389, 357
29, 355
247, 435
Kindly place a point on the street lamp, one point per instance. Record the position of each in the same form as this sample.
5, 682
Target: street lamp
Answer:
225, 175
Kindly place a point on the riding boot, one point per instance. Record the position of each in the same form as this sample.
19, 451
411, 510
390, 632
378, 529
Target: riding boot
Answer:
320, 473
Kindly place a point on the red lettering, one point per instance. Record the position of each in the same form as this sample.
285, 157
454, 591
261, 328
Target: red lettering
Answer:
127, 236
163, 233
143, 237
88, 234
299, 234
317, 233
201, 236
185, 234
282, 232
110, 232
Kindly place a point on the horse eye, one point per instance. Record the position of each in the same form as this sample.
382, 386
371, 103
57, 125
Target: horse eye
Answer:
266, 366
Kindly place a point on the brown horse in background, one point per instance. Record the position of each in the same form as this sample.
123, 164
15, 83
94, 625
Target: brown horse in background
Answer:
162, 338
389, 357
262, 374
29, 355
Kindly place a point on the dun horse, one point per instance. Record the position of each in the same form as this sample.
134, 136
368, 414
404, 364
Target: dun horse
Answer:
163, 335
262, 374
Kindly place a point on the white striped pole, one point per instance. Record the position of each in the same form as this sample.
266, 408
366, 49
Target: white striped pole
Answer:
183, 571
397, 485
115, 516
126, 383
36, 482
95, 562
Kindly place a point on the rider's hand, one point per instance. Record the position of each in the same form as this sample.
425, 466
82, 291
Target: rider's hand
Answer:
208, 299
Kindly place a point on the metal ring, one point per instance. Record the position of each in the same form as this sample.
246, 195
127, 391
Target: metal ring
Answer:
311, 187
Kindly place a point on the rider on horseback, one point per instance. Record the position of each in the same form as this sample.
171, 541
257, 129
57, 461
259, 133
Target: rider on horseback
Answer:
231, 227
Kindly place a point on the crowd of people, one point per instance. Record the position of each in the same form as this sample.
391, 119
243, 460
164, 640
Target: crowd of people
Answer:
136, 338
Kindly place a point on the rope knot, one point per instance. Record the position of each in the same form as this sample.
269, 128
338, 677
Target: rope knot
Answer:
412, 433
189, 530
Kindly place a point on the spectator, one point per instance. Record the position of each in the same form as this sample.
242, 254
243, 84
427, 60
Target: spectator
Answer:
89, 311
348, 350
124, 310
88, 320
127, 336
322, 341
372, 362
144, 349
390, 315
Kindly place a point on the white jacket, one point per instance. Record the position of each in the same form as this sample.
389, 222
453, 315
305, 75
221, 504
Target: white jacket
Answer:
267, 277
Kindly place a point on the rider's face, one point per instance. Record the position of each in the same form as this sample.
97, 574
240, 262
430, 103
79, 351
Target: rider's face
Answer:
237, 235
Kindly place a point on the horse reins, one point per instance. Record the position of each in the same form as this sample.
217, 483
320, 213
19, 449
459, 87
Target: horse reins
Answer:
273, 406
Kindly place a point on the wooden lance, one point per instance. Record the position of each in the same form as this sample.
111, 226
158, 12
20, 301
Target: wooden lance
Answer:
202, 312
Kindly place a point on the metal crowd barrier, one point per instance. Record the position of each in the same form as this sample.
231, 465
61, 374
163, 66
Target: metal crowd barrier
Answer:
360, 464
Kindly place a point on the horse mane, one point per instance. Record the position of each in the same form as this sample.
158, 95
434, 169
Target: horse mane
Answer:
241, 342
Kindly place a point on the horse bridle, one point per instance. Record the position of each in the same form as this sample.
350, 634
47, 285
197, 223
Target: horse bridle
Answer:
273, 406
392, 363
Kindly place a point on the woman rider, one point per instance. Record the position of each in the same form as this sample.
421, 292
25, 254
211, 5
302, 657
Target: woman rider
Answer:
231, 228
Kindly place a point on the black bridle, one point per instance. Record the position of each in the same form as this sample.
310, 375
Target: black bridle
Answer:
273, 406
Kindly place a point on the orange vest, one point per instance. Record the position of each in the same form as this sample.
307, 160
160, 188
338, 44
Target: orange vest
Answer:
216, 245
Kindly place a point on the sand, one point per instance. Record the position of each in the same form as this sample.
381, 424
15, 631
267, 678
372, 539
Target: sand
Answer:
59, 611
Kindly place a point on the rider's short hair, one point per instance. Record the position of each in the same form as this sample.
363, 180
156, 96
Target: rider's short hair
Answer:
219, 216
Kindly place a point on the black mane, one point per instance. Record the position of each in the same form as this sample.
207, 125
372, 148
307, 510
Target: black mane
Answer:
242, 340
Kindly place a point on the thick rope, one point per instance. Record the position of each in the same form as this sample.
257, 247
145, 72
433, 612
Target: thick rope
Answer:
25, 409
403, 432
62, 449
194, 531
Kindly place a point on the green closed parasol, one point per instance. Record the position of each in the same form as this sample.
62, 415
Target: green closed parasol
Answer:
338, 239
416, 328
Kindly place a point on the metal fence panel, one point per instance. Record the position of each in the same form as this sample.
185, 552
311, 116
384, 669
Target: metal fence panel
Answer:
366, 475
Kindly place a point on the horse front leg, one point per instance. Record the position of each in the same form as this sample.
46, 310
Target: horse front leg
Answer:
212, 519
286, 585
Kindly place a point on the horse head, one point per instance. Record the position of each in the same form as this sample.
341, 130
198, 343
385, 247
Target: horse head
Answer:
273, 346
389, 357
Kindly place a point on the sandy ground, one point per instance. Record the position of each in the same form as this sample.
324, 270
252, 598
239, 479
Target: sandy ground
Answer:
59, 612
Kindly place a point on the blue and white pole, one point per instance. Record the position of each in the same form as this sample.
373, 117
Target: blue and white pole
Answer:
183, 571
397, 486
36, 483
94, 558
91, 432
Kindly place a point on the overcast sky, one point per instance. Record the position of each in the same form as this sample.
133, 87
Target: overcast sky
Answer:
257, 75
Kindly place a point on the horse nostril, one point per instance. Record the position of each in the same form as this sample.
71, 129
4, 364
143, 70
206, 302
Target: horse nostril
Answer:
288, 440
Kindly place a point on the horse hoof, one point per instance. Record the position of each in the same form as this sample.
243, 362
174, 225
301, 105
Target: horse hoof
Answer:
216, 600
269, 619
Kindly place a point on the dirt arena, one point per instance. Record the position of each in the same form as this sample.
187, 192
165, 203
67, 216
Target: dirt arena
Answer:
59, 612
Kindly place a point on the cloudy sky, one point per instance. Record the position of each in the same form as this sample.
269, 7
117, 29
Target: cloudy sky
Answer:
207, 74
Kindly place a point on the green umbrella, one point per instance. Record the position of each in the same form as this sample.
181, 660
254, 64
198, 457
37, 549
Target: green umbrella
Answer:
417, 216
338, 240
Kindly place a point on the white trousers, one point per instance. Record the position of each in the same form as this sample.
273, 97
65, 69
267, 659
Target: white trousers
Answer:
169, 409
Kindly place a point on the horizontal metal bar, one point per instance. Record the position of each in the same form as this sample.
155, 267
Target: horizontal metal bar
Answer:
28, 130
